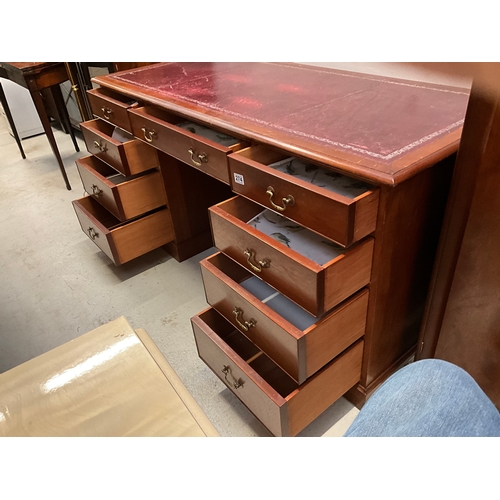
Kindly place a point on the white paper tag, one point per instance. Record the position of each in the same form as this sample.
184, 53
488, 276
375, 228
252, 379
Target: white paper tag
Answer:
238, 178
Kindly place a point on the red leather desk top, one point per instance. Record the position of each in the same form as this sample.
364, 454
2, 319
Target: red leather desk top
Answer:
381, 129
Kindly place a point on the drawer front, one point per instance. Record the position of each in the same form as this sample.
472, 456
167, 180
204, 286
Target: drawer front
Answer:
281, 405
111, 107
255, 392
130, 157
294, 340
339, 217
122, 242
124, 197
90, 217
187, 147
321, 287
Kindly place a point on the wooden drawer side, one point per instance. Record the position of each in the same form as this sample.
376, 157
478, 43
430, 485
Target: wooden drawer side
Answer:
320, 392
338, 331
140, 156
142, 194
143, 235
366, 211
352, 270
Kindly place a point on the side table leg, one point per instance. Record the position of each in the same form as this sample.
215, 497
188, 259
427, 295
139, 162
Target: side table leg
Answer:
10, 119
63, 112
37, 99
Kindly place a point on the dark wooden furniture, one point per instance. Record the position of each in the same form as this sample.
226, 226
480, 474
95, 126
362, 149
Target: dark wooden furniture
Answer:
42, 79
80, 77
389, 145
462, 318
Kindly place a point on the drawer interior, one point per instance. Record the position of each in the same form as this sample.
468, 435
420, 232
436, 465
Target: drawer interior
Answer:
98, 212
247, 351
300, 239
194, 128
306, 171
289, 234
280, 304
111, 96
104, 170
105, 128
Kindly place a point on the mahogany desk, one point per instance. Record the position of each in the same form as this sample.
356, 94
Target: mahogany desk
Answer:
37, 76
395, 140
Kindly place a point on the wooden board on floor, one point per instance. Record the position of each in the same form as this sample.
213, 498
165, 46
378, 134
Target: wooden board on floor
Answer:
111, 381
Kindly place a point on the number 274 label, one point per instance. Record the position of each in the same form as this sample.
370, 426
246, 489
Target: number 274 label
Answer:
238, 178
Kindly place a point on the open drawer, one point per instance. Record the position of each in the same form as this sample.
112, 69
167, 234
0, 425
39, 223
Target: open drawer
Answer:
122, 242
111, 106
315, 273
338, 207
118, 148
283, 406
190, 142
124, 197
298, 342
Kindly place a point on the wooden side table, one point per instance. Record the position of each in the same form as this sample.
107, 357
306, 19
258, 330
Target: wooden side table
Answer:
112, 381
36, 77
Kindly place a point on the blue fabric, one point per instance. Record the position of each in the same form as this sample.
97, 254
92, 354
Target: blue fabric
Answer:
428, 398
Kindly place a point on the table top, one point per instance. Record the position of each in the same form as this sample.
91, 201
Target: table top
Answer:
112, 381
34, 75
28, 67
381, 129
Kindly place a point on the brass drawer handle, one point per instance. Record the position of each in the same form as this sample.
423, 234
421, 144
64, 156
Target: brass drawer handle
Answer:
196, 158
288, 200
226, 370
245, 325
93, 234
95, 190
149, 135
264, 263
107, 113
102, 148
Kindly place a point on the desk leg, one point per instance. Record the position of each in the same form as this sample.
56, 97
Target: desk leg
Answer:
10, 119
37, 99
63, 113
